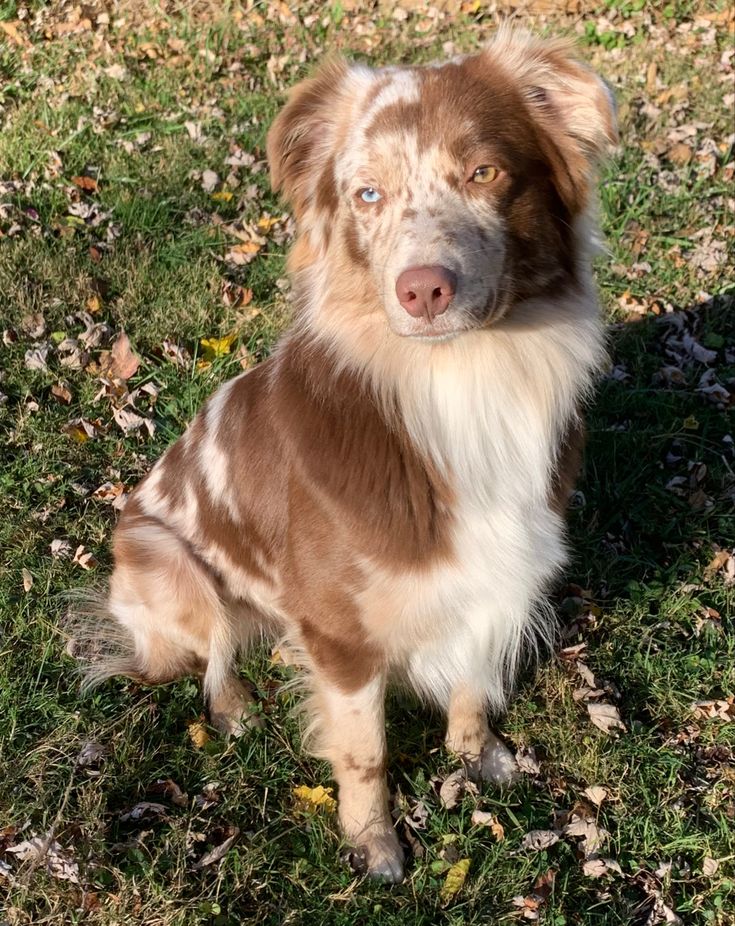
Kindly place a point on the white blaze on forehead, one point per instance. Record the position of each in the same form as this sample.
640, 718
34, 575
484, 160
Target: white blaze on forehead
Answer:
398, 86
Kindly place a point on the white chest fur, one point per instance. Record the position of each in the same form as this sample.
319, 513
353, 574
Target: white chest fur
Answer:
490, 411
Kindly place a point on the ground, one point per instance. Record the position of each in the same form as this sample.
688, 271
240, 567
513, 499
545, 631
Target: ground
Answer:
134, 197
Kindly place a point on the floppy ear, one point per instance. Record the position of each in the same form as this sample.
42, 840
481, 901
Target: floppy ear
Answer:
304, 134
572, 105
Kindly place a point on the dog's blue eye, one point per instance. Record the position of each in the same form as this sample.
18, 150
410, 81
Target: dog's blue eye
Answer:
370, 195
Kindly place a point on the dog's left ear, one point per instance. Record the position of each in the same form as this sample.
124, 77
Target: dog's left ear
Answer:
302, 136
574, 108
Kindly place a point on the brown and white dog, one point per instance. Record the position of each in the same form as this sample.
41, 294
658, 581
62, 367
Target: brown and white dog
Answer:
386, 492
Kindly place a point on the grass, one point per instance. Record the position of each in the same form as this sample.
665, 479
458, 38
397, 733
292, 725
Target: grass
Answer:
637, 591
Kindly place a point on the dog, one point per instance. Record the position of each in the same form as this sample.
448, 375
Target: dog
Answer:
387, 490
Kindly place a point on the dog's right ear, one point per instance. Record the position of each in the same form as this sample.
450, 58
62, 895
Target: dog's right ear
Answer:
303, 136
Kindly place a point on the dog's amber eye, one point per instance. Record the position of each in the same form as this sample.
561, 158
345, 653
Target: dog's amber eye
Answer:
485, 174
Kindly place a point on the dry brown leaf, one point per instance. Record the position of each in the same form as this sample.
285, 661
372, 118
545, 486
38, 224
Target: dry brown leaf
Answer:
170, 790
598, 867
709, 867
527, 762
33, 325
60, 549
485, 818
27, 580
454, 787
59, 863
718, 709
35, 358
88, 184
84, 559
123, 362
62, 393
144, 810
597, 794
605, 717
593, 836
539, 839
219, 852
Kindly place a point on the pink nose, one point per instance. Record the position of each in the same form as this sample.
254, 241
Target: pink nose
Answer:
426, 291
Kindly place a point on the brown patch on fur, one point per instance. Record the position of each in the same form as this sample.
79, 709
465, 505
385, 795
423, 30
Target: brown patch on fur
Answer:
567, 467
400, 117
355, 251
309, 114
391, 500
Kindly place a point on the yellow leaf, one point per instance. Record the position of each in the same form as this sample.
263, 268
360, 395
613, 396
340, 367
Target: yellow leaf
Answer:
198, 734
223, 196
691, 423
454, 882
266, 222
309, 799
216, 347
94, 305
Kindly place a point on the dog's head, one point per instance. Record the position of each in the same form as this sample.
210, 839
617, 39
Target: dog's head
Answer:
447, 192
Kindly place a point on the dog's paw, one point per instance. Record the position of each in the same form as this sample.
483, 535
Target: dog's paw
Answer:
498, 765
494, 764
379, 855
232, 711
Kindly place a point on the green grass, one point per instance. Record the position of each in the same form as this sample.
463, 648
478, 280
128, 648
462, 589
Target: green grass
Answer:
640, 549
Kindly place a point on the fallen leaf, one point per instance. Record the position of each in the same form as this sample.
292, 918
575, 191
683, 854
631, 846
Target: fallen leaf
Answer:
597, 794
94, 304
62, 393
88, 184
34, 325
91, 756
210, 179
129, 421
539, 839
598, 867
216, 347
605, 717
59, 863
85, 559
243, 253
170, 790
198, 734
35, 358
454, 881
484, 818
108, 492
308, 800
116, 72
527, 762
144, 810
223, 196
27, 580
80, 430
718, 709
592, 835
709, 866
454, 787
60, 549
178, 355
218, 853
123, 362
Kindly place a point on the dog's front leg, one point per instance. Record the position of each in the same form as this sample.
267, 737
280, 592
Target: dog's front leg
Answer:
351, 729
469, 735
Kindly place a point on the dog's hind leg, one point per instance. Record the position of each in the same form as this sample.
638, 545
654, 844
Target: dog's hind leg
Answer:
164, 619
